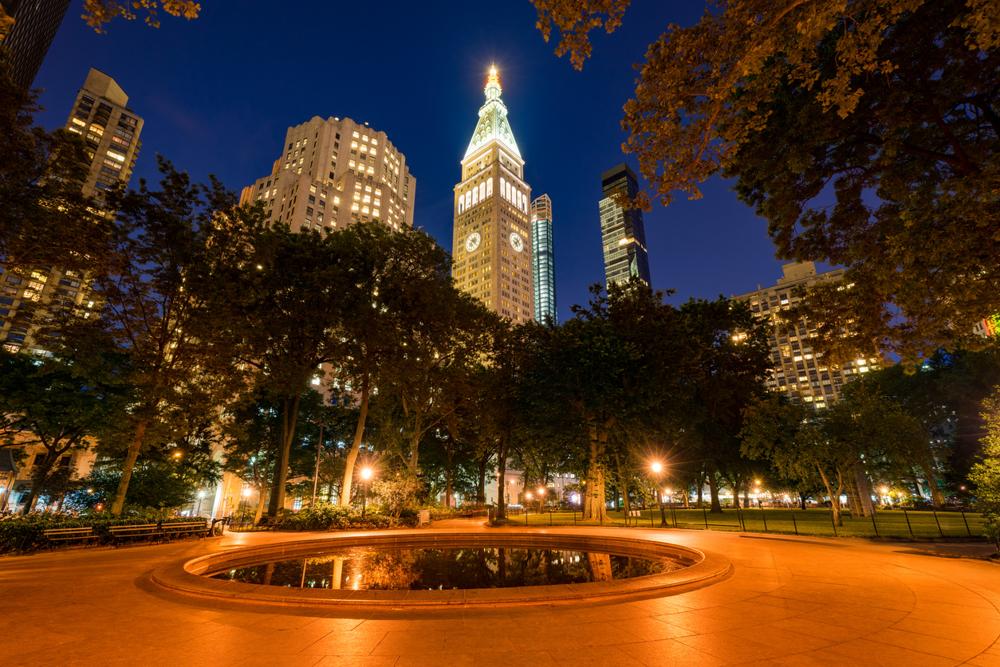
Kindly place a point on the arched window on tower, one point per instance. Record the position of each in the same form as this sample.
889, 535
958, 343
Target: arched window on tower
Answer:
461, 203
489, 188
482, 191
503, 187
475, 196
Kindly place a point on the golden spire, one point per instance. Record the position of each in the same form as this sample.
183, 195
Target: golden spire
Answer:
494, 76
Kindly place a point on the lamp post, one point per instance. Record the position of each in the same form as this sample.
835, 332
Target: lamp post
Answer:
201, 496
541, 499
366, 475
656, 467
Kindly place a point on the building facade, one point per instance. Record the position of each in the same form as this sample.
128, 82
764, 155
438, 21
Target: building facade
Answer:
491, 242
543, 260
623, 234
35, 25
111, 131
333, 173
799, 371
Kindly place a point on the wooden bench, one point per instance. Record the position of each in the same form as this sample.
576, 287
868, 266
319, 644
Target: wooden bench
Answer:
119, 533
81, 534
199, 528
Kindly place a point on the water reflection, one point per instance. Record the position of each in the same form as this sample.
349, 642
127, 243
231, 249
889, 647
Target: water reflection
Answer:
421, 569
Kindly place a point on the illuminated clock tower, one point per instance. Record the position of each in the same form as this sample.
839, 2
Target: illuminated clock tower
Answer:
491, 245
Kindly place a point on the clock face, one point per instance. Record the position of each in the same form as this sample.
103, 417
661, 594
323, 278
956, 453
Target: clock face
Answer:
516, 242
472, 241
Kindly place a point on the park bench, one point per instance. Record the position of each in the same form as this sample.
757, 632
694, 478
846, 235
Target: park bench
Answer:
119, 533
69, 534
181, 528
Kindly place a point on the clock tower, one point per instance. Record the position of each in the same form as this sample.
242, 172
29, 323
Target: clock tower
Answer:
491, 245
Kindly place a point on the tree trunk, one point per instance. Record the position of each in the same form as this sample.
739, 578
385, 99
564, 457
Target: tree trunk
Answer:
937, 498
802, 501
834, 495
449, 476
412, 465
595, 506
501, 482
289, 415
352, 456
864, 491
130, 458
39, 474
701, 489
261, 504
622, 486
481, 486
713, 490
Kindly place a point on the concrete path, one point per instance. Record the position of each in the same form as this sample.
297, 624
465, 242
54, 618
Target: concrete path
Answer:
791, 601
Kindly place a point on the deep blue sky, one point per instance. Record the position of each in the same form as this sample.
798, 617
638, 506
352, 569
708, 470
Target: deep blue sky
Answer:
218, 93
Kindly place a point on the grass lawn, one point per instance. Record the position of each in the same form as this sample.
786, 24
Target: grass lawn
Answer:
890, 523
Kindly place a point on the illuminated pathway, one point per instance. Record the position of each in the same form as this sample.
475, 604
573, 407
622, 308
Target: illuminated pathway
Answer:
791, 601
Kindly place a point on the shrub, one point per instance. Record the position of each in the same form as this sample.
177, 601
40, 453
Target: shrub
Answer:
325, 516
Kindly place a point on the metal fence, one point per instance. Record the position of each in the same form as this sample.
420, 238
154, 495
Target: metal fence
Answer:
896, 522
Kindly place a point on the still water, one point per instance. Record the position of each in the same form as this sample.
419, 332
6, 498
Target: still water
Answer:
445, 569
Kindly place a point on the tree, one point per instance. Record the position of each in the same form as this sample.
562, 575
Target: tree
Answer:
41, 186
155, 258
611, 369
866, 132
727, 356
98, 13
61, 403
284, 293
795, 442
986, 473
402, 323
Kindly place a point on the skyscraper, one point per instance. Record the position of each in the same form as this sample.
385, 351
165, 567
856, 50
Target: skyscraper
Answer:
491, 244
111, 132
110, 129
543, 261
623, 235
35, 25
335, 172
799, 371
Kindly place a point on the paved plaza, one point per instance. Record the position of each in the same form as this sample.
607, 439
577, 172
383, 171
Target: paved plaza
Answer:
790, 601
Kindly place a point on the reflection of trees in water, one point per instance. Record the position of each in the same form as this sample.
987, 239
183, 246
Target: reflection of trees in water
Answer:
600, 566
388, 570
479, 567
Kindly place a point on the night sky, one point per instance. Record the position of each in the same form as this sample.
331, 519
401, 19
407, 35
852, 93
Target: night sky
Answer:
218, 93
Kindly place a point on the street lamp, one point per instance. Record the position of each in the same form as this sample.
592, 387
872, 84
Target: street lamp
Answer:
656, 467
366, 474
541, 497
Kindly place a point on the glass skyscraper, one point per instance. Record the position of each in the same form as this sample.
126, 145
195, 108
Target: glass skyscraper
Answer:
622, 232
543, 261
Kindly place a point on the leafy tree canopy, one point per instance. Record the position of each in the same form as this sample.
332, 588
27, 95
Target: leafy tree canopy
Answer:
865, 131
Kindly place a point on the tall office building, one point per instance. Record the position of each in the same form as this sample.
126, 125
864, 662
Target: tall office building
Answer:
111, 132
543, 261
799, 372
335, 172
623, 235
35, 25
491, 244
110, 129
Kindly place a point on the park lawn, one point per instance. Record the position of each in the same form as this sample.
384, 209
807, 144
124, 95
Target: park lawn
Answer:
890, 523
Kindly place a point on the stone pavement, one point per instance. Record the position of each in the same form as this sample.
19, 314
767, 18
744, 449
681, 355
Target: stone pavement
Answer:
791, 601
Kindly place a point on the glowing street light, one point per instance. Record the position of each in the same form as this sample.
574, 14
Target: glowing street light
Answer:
656, 467
366, 475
